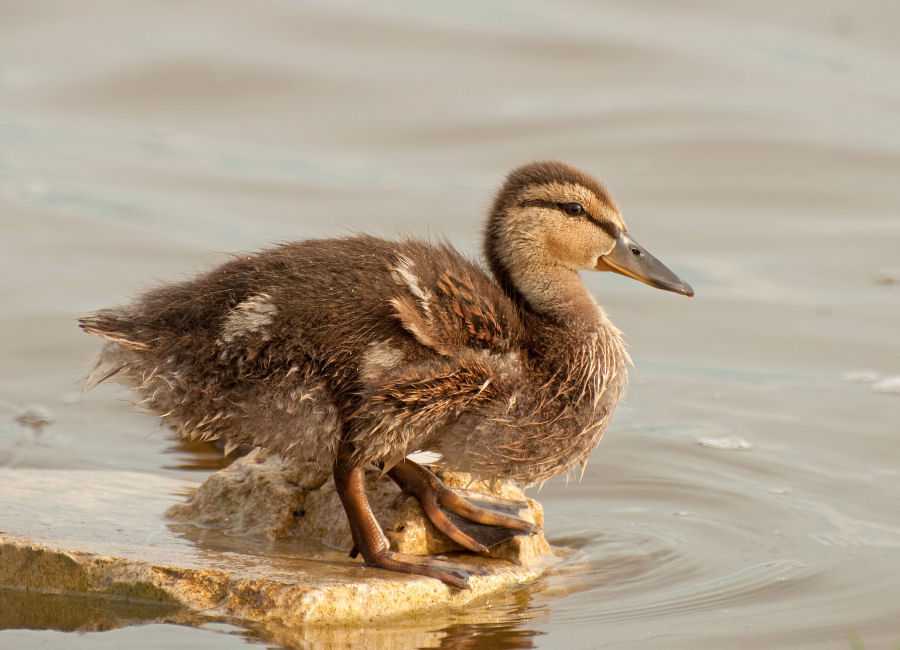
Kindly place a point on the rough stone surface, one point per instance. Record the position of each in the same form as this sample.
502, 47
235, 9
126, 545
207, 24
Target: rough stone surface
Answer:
34, 567
251, 557
263, 495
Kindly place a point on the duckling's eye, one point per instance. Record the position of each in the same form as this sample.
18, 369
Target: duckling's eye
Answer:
573, 209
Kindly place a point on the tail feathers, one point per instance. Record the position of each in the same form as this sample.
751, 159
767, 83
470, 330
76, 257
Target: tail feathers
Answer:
101, 367
118, 354
113, 360
111, 326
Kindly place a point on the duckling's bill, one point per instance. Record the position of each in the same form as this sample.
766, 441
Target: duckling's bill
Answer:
632, 260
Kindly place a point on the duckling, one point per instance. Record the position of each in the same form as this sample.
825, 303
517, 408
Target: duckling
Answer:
359, 350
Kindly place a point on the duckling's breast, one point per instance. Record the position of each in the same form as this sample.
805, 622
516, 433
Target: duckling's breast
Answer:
549, 418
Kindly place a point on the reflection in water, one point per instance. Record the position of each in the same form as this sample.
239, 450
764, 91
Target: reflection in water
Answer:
202, 456
497, 624
500, 622
487, 637
510, 630
82, 613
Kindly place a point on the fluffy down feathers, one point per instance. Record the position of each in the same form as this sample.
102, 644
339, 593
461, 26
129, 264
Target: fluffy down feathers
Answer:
391, 346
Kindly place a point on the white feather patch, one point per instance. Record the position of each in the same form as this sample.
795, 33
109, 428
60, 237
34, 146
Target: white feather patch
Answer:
253, 315
424, 457
403, 274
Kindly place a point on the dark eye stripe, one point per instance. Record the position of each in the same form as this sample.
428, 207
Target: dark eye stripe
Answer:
605, 226
573, 209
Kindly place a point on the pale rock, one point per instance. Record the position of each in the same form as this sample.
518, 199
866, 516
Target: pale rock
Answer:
244, 554
263, 495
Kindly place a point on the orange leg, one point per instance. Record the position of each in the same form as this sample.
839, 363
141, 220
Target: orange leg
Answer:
369, 538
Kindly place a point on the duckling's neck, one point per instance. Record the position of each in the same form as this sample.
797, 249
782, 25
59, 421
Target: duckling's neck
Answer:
557, 293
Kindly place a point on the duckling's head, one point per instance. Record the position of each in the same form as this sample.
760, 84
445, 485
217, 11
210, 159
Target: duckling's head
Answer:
549, 221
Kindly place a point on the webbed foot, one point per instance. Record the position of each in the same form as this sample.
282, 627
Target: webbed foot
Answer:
370, 541
476, 524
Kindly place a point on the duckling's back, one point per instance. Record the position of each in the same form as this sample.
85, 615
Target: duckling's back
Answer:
295, 347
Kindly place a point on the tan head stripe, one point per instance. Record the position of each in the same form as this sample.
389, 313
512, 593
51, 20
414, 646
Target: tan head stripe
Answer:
610, 229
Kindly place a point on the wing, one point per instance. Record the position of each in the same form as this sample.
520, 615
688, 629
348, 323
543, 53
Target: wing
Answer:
449, 304
468, 327
404, 409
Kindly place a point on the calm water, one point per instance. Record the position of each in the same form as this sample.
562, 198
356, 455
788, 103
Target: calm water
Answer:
746, 493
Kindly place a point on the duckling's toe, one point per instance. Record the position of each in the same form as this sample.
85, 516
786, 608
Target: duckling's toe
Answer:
486, 535
474, 525
454, 574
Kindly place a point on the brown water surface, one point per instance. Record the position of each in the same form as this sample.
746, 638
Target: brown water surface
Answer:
746, 493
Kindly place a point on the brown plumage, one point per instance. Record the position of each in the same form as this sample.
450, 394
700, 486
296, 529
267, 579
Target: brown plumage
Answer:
360, 350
